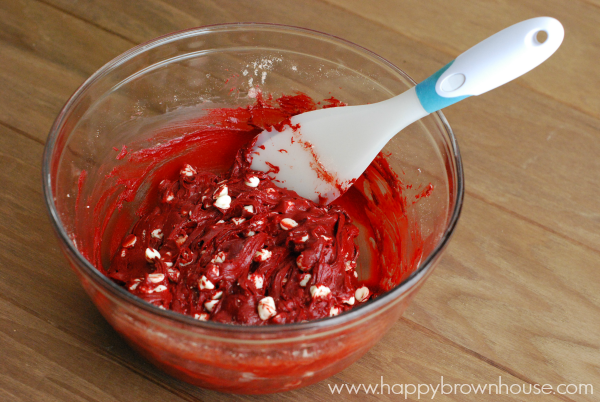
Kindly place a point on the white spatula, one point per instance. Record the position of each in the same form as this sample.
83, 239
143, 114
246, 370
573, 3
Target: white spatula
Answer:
333, 147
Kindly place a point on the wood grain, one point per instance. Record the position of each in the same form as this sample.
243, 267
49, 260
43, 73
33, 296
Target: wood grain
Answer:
46, 55
576, 57
517, 293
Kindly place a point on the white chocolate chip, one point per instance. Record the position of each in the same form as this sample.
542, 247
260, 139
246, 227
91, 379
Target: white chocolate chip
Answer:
202, 316
157, 234
135, 284
300, 263
288, 206
287, 223
319, 291
257, 280
266, 308
130, 241
188, 171
249, 208
214, 270
355, 274
220, 221
221, 192
252, 181
181, 239
168, 264
205, 283
158, 289
151, 254
169, 197
219, 257
223, 202
174, 274
249, 233
156, 278
334, 311
262, 255
350, 301
304, 278
362, 294
304, 238
210, 305
217, 295
238, 221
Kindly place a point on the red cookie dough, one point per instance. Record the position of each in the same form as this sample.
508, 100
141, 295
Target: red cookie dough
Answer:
236, 248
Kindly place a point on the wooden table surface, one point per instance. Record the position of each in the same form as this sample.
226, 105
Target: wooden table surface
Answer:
517, 293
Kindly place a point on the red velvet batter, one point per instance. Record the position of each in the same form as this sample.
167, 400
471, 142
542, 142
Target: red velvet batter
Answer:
236, 248
222, 257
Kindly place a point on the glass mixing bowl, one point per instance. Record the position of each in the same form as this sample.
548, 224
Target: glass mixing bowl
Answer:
175, 78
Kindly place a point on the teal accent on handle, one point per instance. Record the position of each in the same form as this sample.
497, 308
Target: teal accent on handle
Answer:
429, 98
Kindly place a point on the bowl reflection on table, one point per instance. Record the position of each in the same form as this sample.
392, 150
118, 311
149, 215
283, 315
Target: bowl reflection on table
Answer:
168, 82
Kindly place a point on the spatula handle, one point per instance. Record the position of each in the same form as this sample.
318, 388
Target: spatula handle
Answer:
497, 60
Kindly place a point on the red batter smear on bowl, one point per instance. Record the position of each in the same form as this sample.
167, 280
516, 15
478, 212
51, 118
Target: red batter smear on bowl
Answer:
209, 244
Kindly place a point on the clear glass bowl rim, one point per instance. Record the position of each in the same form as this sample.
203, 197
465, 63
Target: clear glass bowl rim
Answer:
350, 316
